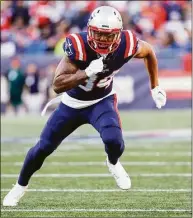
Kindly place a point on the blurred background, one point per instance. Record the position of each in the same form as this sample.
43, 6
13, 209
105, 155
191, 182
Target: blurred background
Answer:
158, 142
32, 34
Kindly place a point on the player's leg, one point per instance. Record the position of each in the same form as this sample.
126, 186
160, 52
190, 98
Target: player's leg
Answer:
62, 122
105, 118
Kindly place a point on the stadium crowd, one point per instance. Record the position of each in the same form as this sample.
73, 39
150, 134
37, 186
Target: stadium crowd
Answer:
41, 26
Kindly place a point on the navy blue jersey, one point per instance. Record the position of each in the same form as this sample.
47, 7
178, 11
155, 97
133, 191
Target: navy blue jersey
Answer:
79, 52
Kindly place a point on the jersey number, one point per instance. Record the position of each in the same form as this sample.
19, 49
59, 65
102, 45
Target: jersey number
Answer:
90, 83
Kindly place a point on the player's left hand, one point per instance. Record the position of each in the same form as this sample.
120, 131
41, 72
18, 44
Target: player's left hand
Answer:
159, 96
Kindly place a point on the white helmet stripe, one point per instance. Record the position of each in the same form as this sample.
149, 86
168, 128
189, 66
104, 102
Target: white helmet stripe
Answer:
79, 46
131, 43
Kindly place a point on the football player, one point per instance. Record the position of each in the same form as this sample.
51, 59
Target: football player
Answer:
85, 77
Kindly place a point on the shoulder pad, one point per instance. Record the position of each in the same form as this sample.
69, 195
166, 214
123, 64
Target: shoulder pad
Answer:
74, 47
131, 43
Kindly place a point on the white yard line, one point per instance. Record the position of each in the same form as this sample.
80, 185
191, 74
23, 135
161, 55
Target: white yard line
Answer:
126, 153
127, 163
95, 210
99, 153
46, 175
104, 190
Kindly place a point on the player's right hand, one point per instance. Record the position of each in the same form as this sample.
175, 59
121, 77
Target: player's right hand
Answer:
96, 66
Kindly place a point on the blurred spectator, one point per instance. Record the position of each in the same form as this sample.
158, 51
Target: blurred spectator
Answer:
44, 12
16, 82
41, 26
6, 14
20, 13
8, 48
155, 12
169, 41
173, 8
32, 78
176, 27
84, 10
33, 97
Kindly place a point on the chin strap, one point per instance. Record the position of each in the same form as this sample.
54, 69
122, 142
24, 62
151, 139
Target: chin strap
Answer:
95, 45
110, 48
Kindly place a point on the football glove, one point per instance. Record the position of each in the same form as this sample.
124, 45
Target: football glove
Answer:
159, 96
96, 66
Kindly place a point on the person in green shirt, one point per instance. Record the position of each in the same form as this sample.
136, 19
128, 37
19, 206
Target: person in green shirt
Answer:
16, 81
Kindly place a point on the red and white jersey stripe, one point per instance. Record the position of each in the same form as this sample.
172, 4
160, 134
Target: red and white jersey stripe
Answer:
131, 43
79, 46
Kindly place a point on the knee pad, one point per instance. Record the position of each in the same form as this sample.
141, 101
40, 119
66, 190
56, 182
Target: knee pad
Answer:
113, 140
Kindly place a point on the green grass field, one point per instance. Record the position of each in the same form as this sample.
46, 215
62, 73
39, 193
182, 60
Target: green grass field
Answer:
74, 181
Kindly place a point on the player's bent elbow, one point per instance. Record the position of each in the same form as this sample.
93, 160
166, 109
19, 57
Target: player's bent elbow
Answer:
59, 89
56, 89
